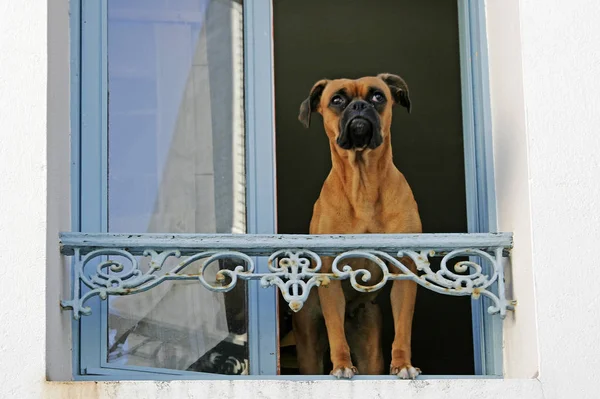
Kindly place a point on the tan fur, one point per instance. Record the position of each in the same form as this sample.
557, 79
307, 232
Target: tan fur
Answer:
363, 193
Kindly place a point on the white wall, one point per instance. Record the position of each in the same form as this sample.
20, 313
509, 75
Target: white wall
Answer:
545, 62
512, 182
23, 189
550, 186
561, 69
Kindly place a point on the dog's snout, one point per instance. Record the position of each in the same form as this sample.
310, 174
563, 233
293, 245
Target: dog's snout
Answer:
359, 105
359, 126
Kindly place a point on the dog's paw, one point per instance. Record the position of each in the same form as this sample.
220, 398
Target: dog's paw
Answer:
405, 372
344, 372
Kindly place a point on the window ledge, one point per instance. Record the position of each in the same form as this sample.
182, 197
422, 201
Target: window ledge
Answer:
460, 388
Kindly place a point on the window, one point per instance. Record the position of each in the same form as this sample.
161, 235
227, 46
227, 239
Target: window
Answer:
176, 135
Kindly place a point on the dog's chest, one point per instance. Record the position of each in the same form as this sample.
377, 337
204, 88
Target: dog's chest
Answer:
367, 205
369, 217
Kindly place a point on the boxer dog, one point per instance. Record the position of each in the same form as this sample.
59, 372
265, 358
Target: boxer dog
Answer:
363, 193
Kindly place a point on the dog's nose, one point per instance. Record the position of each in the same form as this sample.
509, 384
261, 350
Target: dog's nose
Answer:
359, 105
360, 127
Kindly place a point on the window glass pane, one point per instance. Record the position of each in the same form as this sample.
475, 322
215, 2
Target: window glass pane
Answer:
176, 165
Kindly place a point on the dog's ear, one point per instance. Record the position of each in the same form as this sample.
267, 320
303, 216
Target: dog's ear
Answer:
311, 103
398, 87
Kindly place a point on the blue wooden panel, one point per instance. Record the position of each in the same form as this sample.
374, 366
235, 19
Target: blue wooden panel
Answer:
75, 112
471, 182
479, 174
75, 65
492, 327
260, 172
90, 167
93, 157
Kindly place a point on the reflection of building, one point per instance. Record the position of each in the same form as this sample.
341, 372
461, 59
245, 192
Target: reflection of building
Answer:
196, 128
186, 109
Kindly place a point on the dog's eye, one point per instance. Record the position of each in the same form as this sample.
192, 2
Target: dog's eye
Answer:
378, 98
337, 100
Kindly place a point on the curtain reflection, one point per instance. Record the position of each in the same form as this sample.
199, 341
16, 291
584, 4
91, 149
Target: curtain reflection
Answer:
176, 165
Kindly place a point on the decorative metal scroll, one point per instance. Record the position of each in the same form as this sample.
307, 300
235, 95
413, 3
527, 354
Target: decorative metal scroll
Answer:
110, 264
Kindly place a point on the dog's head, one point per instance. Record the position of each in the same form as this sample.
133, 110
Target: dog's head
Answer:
357, 114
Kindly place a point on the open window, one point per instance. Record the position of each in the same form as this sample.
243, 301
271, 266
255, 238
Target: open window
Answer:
420, 42
176, 134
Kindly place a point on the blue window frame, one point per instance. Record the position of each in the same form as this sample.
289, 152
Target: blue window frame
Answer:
89, 21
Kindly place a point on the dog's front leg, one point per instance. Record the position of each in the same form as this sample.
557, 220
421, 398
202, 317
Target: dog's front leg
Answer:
333, 306
403, 296
310, 341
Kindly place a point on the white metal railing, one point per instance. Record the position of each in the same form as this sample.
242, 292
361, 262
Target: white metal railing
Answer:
294, 263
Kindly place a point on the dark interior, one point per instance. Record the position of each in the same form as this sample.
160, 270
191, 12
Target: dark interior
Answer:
419, 41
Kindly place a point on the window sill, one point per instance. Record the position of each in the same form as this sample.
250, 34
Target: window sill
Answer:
460, 388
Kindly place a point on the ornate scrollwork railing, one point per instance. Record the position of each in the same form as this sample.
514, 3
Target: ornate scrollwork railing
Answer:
111, 264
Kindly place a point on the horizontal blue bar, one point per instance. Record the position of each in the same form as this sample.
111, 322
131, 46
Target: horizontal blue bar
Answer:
264, 244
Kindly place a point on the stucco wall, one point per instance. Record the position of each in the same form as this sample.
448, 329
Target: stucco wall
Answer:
23, 190
561, 65
547, 154
512, 182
